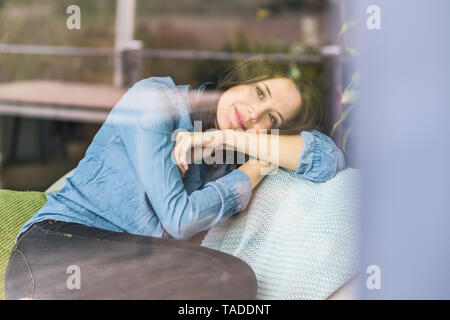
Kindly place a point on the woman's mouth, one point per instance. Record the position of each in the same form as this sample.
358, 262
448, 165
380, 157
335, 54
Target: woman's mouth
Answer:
239, 118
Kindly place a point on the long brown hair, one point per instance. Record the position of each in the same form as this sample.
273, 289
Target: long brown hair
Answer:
256, 69
252, 70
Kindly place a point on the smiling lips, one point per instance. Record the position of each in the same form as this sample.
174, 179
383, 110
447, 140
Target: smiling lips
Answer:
239, 118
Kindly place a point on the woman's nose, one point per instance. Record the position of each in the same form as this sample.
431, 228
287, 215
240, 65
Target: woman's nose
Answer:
253, 115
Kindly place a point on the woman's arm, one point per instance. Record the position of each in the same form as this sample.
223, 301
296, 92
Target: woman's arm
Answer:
312, 155
280, 150
256, 170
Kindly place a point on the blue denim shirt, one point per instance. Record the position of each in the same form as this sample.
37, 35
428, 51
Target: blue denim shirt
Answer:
127, 181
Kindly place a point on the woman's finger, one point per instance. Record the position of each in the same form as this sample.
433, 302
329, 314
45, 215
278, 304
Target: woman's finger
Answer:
175, 152
207, 152
182, 172
182, 154
183, 144
180, 167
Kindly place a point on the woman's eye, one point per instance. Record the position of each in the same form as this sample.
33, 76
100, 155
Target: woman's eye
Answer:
273, 119
259, 92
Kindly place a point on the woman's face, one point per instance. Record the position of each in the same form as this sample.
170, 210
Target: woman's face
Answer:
265, 104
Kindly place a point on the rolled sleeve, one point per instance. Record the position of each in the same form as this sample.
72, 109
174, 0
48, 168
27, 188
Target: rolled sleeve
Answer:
320, 159
235, 190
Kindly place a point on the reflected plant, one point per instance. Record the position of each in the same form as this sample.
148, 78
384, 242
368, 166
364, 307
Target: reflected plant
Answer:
347, 104
347, 100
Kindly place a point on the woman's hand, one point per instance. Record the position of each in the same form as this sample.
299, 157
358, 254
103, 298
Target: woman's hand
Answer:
193, 146
256, 170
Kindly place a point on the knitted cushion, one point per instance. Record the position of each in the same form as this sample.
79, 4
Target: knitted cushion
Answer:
299, 237
16, 207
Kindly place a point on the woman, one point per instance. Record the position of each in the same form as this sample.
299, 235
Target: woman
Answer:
112, 231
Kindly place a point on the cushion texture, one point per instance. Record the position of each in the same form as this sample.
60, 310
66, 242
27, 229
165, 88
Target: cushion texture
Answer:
299, 237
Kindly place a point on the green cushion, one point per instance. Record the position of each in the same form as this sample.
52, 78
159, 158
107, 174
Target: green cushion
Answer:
16, 208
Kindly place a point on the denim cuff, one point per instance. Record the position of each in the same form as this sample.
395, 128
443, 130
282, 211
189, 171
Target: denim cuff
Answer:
318, 159
235, 190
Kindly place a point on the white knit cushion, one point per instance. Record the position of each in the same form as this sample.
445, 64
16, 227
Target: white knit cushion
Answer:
299, 237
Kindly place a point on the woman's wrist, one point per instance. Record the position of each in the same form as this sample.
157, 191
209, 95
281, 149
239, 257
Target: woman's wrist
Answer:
255, 144
256, 170
228, 136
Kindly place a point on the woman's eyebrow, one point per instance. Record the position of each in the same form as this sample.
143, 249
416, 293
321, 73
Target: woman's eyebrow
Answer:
268, 90
281, 117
